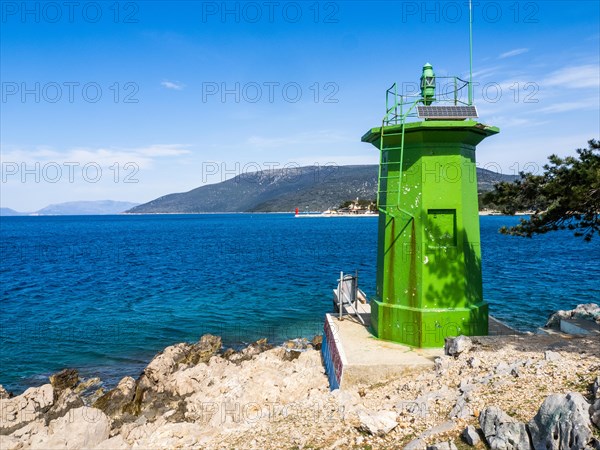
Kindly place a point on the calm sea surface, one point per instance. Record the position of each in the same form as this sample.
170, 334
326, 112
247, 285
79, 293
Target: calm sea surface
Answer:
105, 293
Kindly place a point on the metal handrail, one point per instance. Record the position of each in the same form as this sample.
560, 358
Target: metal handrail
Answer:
352, 299
395, 101
396, 114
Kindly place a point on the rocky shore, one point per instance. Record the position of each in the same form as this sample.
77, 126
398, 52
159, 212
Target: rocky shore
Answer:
528, 391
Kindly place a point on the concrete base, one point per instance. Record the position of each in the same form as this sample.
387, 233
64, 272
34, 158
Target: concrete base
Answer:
579, 326
354, 356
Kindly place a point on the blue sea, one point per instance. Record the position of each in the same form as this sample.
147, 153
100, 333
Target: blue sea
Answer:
105, 293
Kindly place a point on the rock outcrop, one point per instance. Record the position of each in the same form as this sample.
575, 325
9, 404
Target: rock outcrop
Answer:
471, 436
195, 395
249, 352
4, 393
595, 408
595, 413
502, 432
65, 379
66, 400
116, 401
81, 428
154, 391
587, 311
31, 405
456, 346
562, 423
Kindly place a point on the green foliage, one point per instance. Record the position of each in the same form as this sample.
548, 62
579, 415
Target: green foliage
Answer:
565, 196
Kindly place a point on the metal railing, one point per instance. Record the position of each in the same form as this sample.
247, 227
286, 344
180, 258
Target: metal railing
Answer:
396, 103
398, 109
347, 295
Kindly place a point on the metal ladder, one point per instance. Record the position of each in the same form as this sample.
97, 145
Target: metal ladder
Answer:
391, 208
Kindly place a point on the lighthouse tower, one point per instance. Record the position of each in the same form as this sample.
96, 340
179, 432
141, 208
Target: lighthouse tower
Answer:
428, 257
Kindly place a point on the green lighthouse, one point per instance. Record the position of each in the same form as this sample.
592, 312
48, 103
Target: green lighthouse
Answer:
429, 257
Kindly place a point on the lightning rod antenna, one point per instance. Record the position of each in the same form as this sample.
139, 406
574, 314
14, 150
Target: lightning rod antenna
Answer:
470, 53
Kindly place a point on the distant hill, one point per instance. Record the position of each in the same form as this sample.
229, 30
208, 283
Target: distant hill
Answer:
10, 212
311, 188
86, 208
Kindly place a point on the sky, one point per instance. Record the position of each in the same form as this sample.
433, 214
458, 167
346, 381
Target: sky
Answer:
134, 100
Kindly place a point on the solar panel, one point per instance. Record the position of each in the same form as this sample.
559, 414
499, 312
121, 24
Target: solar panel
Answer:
446, 112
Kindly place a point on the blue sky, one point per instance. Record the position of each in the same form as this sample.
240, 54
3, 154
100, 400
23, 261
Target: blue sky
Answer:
133, 100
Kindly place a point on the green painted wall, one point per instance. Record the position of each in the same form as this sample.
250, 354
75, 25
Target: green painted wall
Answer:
429, 255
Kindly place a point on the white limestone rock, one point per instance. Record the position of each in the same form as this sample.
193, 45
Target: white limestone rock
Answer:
18, 411
67, 400
114, 443
348, 401
474, 362
442, 364
10, 443
80, 428
377, 423
551, 356
4, 393
416, 444
174, 435
461, 409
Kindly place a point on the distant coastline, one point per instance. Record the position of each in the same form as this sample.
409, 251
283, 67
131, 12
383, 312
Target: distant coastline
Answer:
280, 190
491, 212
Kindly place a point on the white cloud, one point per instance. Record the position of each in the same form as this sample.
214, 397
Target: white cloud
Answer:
163, 150
484, 73
175, 85
590, 103
143, 157
515, 52
584, 76
511, 152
